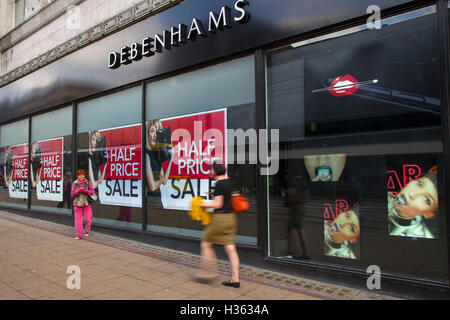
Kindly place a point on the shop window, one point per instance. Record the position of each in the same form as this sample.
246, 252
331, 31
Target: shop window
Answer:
226, 84
14, 164
51, 173
109, 150
361, 162
200, 105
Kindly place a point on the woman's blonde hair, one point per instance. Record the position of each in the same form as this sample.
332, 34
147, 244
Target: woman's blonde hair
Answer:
157, 124
34, 145
91, 134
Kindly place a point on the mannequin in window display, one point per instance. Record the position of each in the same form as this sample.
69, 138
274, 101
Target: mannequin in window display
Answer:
97, 157
412, 206
341, 233
325, 167
156, 155
35, 164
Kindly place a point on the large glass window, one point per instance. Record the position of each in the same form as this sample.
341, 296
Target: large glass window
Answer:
361, 163
51, 173
109, 150
14, 164
187, 120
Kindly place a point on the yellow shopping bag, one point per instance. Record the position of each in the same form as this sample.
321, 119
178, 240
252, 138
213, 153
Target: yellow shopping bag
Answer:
199, 213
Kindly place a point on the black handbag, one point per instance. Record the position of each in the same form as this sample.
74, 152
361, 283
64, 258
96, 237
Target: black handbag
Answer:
92, 198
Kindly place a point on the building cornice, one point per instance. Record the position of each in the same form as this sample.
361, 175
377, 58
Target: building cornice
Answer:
36, 22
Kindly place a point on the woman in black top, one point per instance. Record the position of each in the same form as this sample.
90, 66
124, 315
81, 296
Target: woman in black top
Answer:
223, 226
35, 164
95, 175
155, 157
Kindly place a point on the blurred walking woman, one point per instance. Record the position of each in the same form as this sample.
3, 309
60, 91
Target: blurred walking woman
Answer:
81, 189
222, 229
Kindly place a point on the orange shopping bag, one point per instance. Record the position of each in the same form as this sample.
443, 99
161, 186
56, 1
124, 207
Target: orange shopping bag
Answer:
239, 203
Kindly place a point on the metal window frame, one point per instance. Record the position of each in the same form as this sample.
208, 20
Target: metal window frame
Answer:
443, 8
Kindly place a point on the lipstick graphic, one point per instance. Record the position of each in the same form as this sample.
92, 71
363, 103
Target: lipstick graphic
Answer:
344, 86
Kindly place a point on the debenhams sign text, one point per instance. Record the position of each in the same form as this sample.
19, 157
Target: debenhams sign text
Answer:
178, 35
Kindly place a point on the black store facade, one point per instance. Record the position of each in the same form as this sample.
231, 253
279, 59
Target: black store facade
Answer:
360, 113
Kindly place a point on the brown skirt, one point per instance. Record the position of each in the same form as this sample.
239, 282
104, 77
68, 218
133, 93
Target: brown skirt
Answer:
222, 229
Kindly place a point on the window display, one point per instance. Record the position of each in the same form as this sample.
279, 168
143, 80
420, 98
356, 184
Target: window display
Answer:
14, 164
51, 161
109, 150
179, 166
361, 160
114, 165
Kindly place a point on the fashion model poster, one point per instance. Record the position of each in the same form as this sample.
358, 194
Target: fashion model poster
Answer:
15, 170
412, 197
179, 155
342, 227
325, 167
114, 165
46, 169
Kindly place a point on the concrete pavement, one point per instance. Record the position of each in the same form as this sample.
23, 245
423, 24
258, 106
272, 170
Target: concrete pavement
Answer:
35, 255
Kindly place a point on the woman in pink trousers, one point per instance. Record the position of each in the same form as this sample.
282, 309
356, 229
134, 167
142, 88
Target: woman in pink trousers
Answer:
81, 189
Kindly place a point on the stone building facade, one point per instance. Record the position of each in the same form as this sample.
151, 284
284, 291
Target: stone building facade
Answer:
53, 28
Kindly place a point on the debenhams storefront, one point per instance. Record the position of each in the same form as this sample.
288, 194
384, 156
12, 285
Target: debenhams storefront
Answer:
355, 112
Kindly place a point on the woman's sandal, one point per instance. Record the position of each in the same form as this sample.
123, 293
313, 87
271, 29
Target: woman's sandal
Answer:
231, 284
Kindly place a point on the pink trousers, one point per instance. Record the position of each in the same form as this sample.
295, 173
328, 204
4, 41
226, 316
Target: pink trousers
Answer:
79, 212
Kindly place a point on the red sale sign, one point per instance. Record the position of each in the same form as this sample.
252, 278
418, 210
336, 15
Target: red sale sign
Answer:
47, 169
124, 153
122, 185
198, 141
20, 162
17, 171
52, 159
180, 152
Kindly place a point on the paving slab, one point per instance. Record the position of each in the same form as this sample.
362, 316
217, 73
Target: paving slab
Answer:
36, 254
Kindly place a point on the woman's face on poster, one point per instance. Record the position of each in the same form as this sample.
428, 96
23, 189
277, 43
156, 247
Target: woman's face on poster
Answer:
418, 198
152, 135
345, 227
93, 141
33, 151
325, 167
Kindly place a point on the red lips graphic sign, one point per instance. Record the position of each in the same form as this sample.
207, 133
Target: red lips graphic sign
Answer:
343, 86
